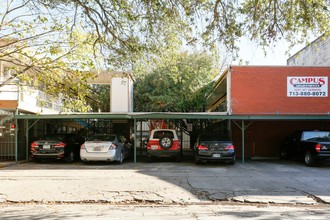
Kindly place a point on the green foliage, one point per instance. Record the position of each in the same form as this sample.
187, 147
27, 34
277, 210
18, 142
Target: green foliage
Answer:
177, 86
55, 43
128, 29
294, 20
47, 55
101, 98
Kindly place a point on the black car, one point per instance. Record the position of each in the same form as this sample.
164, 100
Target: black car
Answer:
64, 146
214, 147
313, 146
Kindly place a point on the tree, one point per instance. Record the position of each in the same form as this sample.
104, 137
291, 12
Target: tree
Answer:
45, 54
177, 86
101, 98
58, 39
125, 28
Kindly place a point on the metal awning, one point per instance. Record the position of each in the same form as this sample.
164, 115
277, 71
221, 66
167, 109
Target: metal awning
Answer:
169, 115
175, 115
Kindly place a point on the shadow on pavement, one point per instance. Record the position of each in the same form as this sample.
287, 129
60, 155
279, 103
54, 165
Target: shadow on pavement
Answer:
167, 182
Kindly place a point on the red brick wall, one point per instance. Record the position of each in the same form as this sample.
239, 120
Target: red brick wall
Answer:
263, 90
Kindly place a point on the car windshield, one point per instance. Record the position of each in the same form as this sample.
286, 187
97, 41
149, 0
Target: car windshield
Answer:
316, 136
159, 134
100, 137
54, 137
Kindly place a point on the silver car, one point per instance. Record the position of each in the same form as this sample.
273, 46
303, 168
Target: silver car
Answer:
105, 147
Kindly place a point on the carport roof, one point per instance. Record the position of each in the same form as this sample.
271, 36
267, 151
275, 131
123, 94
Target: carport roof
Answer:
174, 115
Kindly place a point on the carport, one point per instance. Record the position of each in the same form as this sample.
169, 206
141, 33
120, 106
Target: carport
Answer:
242, 121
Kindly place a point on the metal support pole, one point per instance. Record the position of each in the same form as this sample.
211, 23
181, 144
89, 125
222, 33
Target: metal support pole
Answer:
141, 138
135, 137
16, 125
243, 145
243, 128
26, 125
16, 137
27, 137
181, 140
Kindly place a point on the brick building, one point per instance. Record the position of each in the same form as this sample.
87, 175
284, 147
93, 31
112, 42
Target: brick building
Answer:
272, 91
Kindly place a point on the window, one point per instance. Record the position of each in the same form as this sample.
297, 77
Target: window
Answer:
316, 135
101, 137
160, 134
7, 73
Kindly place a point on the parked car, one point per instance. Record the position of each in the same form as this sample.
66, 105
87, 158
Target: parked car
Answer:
313, 146
57, 146
214, 147
164, 143
105, 147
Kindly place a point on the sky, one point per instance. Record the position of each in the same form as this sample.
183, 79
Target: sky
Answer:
251, 54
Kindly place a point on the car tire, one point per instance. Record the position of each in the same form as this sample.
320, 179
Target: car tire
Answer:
231, 162
69, 158
309, 160
197, 160
37, 160
178, 158
165, 142
203, 161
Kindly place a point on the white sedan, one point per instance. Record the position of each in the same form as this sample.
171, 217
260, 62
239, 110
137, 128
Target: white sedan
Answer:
105, 147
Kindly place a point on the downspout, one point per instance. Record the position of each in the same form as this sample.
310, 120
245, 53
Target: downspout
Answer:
229, 99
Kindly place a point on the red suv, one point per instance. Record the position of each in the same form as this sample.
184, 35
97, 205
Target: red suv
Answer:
164, 143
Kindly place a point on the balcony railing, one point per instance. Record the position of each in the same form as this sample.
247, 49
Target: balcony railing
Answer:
30, 100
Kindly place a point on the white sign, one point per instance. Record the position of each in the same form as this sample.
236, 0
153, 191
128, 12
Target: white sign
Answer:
307, 86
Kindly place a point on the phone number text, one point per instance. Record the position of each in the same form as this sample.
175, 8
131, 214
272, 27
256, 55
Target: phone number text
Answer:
314, 94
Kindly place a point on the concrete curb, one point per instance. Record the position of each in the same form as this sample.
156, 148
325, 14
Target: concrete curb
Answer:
10, 163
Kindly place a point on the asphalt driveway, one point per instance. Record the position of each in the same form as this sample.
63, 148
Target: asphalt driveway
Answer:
262, 182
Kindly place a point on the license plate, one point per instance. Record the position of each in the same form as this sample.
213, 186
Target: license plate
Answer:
216, 155
154, 147
97, 148
47, 146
